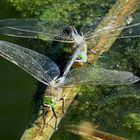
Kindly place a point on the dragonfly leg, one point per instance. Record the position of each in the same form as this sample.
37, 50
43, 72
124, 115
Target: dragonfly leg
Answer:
63, 104
91, 51
44, 116
54, 115
45, 111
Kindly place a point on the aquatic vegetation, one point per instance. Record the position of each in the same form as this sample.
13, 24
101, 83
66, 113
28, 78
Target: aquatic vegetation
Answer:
132, 122
67, 11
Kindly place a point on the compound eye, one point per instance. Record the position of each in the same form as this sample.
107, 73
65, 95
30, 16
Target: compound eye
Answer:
67, 30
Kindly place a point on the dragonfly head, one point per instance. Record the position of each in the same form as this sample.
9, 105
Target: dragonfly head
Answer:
48, 102
70, 31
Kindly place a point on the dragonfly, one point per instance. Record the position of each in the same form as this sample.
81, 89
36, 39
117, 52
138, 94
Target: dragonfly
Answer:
46, 71
45, 30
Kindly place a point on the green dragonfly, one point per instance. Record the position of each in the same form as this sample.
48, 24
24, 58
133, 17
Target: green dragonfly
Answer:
45, 70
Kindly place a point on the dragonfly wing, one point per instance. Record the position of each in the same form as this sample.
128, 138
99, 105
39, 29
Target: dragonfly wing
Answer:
39, 66
99, 76
94, 29
88, 28
34, 28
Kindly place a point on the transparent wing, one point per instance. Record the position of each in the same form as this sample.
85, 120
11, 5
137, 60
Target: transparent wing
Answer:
94, 29
42, 29
99, 76
39, 66
34, 28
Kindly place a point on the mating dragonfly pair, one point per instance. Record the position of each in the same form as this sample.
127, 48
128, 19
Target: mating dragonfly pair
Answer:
45, 70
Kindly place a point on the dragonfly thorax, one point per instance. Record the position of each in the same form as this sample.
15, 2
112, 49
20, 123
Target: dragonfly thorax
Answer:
53, 92
52, 83
54, 89
55, 83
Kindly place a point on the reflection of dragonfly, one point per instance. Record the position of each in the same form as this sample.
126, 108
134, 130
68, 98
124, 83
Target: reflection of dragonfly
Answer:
46, 71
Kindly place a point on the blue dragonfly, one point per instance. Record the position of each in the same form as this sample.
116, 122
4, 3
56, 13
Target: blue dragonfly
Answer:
45, 70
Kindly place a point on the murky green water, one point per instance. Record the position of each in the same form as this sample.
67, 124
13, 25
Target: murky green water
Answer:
17, 89
16, 94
